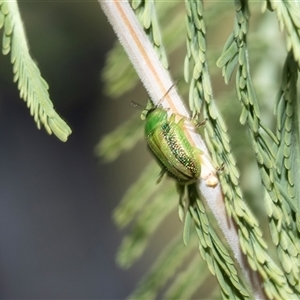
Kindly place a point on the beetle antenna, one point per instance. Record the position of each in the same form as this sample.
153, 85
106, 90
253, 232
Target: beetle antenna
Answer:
137, 105
201, 123
166, 93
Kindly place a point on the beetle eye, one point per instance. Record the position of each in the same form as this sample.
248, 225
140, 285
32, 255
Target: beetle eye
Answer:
145, 113
150, 110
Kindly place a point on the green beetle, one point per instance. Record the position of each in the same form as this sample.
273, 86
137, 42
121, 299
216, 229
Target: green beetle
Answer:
168, 142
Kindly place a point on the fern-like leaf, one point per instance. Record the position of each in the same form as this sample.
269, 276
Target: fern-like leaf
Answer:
277, 166
33, 88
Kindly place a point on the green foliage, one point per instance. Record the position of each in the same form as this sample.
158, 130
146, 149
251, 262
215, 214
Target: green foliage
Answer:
33, 88
276, 152
168, 263
118, 72
212, 250
264, 144
112, 145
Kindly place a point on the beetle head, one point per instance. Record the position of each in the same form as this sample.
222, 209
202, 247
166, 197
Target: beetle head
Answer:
148, 110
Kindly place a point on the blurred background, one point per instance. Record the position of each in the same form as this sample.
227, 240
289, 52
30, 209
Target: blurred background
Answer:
57, 237
56, 199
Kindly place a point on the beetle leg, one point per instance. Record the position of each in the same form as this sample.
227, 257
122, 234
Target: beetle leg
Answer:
221, 168
202, 123
199, 151
161, 175
181, 121
172, 118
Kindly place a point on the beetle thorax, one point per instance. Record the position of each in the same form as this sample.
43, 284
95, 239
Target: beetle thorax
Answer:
154, 118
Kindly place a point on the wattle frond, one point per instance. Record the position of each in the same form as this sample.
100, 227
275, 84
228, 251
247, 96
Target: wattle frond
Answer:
33, 88
275, 151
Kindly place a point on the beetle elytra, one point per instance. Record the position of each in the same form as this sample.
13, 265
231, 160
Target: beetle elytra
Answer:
168, 142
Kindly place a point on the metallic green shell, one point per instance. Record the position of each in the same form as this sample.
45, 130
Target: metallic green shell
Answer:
168, 142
